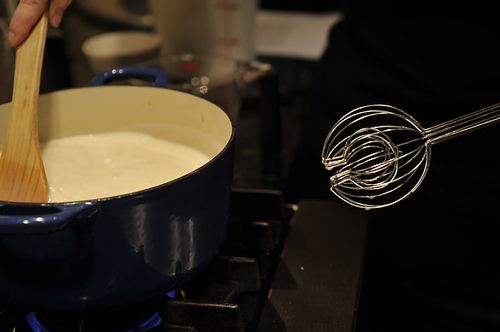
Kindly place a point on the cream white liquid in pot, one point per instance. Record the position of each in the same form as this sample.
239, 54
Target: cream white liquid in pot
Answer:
94, 166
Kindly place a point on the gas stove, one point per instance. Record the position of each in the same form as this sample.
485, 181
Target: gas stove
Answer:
293, 267
227, 296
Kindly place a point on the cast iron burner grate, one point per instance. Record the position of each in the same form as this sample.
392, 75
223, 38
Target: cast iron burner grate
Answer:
227, 296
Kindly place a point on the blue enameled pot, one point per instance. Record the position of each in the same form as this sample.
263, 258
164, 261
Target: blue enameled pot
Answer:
88, 256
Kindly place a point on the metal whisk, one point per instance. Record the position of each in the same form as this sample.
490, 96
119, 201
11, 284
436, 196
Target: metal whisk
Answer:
380, 154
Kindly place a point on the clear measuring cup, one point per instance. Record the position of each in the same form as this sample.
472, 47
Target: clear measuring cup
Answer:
222, 27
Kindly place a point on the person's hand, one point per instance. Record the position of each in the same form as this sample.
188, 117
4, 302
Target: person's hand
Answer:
27, 14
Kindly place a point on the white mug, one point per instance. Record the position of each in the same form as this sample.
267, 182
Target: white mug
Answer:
217, 27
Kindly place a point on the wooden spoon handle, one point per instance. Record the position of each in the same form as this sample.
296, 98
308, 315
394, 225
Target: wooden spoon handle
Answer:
29, 59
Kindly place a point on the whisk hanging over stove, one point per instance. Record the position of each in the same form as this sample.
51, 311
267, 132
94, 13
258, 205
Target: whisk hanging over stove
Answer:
379, 154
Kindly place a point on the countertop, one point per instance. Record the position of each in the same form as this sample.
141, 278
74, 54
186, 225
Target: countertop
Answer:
317, 283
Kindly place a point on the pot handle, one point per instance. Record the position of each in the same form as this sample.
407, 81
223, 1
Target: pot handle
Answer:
36, 219
158, 76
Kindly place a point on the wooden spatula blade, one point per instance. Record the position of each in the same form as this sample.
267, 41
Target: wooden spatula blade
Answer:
23, 182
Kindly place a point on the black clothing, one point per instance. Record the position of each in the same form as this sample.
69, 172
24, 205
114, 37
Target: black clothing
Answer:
434, 256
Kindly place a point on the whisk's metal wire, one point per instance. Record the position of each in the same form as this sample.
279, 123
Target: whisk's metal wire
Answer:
380, 154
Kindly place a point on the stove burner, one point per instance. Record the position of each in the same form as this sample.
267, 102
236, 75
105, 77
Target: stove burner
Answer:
44, 324
34, 323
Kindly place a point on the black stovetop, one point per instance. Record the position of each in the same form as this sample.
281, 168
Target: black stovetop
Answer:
282, 268
227, 296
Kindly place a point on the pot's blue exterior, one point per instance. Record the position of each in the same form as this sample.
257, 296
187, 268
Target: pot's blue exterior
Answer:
114, 252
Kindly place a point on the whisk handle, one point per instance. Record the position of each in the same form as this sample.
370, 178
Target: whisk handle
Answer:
463, 125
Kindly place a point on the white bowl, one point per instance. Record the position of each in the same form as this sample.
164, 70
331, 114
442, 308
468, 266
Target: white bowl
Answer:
120, 48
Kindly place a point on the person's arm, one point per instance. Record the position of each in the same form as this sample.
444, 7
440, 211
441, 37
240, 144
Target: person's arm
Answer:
27, 14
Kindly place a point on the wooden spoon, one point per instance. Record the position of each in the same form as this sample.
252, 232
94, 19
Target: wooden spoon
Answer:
22, 175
